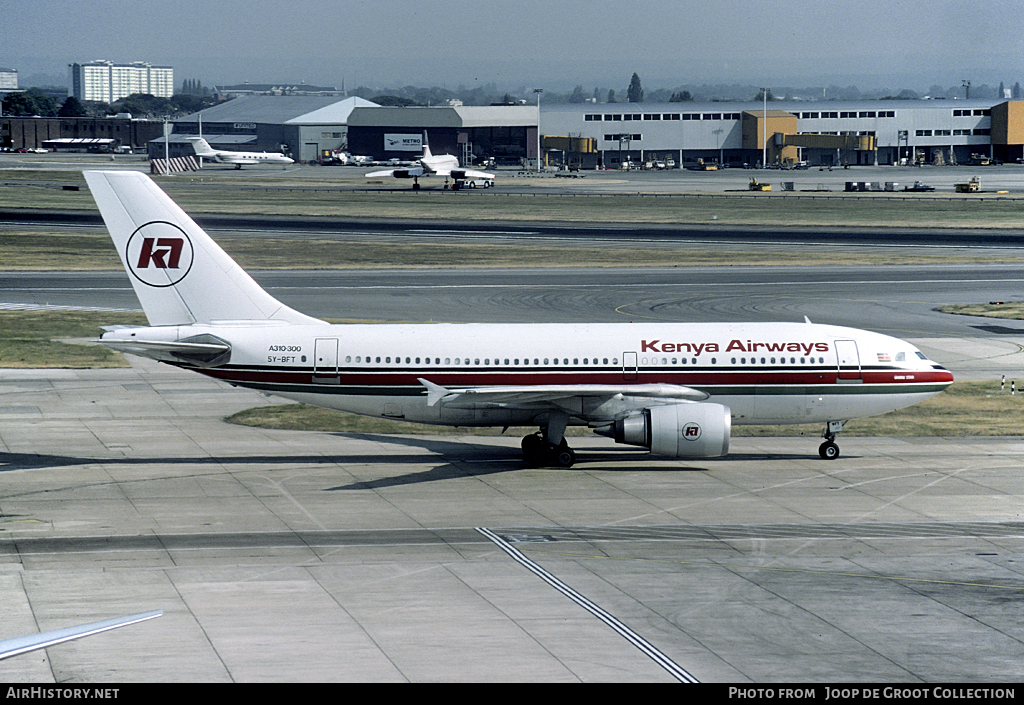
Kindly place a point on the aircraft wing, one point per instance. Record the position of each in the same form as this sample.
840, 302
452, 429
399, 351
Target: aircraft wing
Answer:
407, 173
553, 393
32, 642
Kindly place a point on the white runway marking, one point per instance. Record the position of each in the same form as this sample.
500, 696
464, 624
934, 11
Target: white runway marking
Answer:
638, 641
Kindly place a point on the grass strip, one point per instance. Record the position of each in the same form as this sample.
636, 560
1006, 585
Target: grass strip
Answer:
308, 198
42, 250
33, 339
994, 309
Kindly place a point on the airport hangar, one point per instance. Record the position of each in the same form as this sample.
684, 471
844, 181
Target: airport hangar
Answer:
590, 135
300, 126
309, 128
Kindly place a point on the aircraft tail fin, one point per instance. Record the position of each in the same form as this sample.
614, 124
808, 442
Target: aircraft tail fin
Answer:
202, 147
180, 275
426, 147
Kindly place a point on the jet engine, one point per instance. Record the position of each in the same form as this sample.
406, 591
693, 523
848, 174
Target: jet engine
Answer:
698, 430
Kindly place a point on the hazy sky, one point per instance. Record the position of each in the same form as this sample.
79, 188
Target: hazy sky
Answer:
535, 43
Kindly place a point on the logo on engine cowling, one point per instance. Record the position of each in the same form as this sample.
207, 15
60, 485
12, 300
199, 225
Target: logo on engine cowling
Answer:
691, 431
159, 254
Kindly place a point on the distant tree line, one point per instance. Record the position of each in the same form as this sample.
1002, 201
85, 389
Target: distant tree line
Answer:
193, 86
193, 97
35, 101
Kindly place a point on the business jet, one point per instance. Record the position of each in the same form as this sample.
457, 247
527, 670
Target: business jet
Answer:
444, 165
204, 150
674, 388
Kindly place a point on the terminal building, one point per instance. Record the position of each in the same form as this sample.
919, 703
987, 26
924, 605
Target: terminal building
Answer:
826, 133
613, 135
593, 135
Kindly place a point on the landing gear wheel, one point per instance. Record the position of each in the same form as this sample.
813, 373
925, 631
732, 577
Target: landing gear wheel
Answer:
539, 453
534, 450
828, 450
563, 457
532, 444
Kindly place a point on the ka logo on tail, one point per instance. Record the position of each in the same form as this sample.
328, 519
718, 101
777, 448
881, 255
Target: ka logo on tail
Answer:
159, 254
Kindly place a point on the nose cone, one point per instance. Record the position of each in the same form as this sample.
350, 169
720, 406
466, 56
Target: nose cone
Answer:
941, 375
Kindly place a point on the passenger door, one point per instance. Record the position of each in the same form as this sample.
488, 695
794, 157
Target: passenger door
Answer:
325, 361
848, 360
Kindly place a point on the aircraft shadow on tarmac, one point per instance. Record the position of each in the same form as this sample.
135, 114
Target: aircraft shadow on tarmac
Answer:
25, 461
457, 459
470, 460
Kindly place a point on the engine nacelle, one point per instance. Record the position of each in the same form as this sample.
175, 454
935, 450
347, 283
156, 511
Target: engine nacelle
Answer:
698, 430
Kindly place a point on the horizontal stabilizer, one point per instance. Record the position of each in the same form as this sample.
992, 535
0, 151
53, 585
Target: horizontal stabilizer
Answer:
202, 350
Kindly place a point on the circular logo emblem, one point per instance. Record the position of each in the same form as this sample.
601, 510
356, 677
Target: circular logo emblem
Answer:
691, 431
159, 254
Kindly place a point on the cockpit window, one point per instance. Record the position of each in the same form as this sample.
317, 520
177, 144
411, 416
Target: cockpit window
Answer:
920, 355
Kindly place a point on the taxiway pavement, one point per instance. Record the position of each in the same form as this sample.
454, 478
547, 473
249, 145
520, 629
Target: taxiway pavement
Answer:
294, 556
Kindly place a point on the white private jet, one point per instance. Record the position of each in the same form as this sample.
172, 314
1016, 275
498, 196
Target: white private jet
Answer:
204, 150
674, 388
441, 165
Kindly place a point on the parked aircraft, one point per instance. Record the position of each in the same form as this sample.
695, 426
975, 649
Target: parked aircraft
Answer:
675, 388
441, 165
204, 150
32, 642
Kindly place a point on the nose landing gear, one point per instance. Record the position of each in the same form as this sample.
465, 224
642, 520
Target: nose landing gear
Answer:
829, 450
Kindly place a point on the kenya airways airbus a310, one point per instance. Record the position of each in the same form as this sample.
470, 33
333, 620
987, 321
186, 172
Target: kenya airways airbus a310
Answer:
674, 388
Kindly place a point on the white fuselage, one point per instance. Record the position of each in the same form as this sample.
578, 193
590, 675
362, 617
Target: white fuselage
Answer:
765, 373
248, 158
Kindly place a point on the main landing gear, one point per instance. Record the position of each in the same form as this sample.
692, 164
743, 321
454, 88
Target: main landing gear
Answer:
547, 447
829, 450
539, 453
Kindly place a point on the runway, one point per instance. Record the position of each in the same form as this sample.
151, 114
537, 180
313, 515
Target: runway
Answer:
309, 557
894, 300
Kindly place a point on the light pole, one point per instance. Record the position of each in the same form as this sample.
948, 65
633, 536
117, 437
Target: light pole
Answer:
538, 91
764, 130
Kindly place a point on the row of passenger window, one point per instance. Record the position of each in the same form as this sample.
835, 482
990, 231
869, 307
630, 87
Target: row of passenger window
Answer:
458, 361
537, 362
